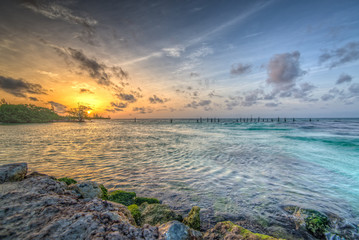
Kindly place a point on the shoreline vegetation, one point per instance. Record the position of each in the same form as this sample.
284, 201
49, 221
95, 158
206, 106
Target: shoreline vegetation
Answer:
50, 208
28, 113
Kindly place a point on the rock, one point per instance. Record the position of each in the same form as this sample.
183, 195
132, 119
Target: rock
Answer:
13, 172
40, 207
231, 231
193, 219
87, 190
175, 230
155, 214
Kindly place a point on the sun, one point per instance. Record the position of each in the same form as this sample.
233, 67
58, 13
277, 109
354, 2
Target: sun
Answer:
88, 112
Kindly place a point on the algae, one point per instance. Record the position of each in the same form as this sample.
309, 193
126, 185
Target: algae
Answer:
193, 219
123, 197
67, 180
136, 213
140, 200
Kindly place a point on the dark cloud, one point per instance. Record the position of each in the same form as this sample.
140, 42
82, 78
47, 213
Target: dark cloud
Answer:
344, 78
194, 74
101, 73
252, 98
240, 69
354, 89
58, 10
127, 97
96, 70
340, 56
119, 72
156, 99
142, 110
58, 107
84, 90
213, 94
327, 97
20, 87
283, 70
119, 105
271, 104
201, 103
33, 99
53, 10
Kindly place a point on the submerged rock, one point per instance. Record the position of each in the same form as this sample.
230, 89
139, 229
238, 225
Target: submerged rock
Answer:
193, 219
13, 172
175, 230
155, 214
229, 230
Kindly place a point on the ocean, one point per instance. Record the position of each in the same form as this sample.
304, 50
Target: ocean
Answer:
232, 170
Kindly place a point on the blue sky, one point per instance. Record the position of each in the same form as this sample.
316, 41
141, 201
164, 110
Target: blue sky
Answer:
183, 58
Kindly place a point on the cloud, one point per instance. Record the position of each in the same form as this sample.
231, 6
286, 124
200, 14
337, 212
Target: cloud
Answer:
50, 74
354, 89
283, 70
344, 78
327, 97
156, 99
240, 69
127, 97
33, 99
271, 104
84, 90
174, 51
194, 74
117, 107
58, 107
342, 55
20, 87
53, 10
96, 70
201, 103
142, 110
101, 73
252, 97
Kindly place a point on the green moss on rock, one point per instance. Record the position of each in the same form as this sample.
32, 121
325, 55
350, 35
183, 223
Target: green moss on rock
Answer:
104, 192
123, 197
317, 224
156, 214
140, 200
67, 180
229, 230
136, 213
193, 219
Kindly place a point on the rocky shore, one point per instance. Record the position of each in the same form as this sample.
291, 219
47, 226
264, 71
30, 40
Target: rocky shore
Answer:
37, 206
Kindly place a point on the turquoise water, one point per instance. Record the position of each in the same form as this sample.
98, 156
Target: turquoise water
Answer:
231, 170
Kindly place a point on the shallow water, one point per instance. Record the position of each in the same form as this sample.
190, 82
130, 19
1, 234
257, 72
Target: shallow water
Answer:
231, 170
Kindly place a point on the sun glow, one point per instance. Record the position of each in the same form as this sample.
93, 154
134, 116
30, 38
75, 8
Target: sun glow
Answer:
88, 112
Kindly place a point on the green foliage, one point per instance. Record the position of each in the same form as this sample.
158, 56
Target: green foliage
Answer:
317, 224
193, 220
24, 113
125, 198
67, 180
104, 192
136, 213
79, 113
140, 200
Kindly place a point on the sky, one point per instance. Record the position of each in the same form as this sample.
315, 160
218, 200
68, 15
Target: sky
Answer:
182, 59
